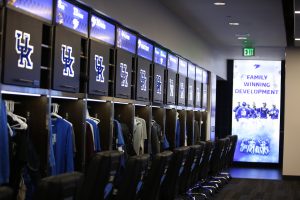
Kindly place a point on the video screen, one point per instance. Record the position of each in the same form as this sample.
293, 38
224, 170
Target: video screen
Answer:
102, 30
256, 110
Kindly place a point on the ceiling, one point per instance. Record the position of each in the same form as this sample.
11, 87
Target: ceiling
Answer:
261, 21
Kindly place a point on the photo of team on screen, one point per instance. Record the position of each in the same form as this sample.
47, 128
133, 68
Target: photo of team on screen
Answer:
248, 112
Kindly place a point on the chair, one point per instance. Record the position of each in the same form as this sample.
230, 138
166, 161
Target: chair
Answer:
132, 179
100, 176
60, 187
6, 193
156, 175
170, 185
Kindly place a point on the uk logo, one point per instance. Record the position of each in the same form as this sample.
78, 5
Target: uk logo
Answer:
198, 94
181, 90
100, 68
124, 75
67, 60
24, 49
143, 80
171, 88
190, 92
158, 84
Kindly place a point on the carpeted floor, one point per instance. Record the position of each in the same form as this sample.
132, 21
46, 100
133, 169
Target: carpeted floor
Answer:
258, 189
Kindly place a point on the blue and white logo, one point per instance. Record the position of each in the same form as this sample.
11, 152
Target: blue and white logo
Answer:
67, 60
181, 90
158, 84
198, 94
143, 80
190, 93
24, 49
171, 87
124, 75
100, 68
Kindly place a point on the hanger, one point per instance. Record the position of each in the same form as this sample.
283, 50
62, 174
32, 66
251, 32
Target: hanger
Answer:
54, 112
21, 121
92, 118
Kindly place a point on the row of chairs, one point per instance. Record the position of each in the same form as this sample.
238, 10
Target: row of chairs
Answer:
191, 172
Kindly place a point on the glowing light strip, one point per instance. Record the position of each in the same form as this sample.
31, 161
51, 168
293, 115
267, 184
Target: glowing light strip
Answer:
20, 93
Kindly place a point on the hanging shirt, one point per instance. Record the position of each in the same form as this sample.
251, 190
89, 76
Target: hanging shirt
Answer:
62, 144
139, 135
96, 134
4, 146
89, 144
156, 137
197, 136
120, 140
177, 134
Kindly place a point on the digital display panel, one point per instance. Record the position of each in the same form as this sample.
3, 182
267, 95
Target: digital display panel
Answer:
182, 67
256, 110
102, 30
199, 73
160, 56
72, 17
126, 40
172, 63
204, 77
39, 8
191, 71
145, 49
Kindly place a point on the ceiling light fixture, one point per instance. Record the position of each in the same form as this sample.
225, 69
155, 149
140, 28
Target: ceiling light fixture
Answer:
242, 38
234, 23
219, 3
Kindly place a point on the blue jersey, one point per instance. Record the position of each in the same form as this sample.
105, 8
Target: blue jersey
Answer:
263, 113
62, 144
274, 112
242, 112
177, 134
96, 134
4, 158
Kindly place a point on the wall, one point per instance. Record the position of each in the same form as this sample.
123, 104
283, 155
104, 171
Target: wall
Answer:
153, 20
291, 158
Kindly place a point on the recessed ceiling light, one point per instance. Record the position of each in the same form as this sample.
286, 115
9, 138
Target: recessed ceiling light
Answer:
297, 12
242, 38
219, 3
234, 23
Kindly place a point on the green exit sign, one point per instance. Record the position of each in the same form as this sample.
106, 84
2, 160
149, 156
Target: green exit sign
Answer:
248, 51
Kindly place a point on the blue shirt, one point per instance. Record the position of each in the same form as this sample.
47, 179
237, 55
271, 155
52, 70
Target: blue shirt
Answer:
177, 134
263, 113
96, 134
274, 112
4, 144
62, 144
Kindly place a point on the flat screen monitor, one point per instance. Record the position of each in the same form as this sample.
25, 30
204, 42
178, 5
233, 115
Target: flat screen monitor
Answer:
172, 62
144, 49
191, 71
126, 40
182, 67
199, 73
160, 56
102, 30
256, 110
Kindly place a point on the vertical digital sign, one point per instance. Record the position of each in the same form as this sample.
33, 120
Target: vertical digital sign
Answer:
191, 79
39, 8
172, 70
145, 56
160, 60
204, 88
199, 79
102, 30
182, 70
72, 17
256, 110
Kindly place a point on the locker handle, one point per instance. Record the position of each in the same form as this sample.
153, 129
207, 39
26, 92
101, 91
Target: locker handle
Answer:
68, 86
25, 80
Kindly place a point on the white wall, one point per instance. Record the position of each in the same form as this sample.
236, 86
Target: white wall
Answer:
291, 157
153, 20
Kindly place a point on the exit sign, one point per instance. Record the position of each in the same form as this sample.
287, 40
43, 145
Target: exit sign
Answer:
248, 52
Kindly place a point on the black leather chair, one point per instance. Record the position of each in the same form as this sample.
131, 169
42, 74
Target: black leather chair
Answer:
229, 156
100, 176
6, 193
156, 175
60, 187
170, 185
132, 179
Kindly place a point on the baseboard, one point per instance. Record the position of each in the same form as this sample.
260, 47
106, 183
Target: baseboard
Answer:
290, 178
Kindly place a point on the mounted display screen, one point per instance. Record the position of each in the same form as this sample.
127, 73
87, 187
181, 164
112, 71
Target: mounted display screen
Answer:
72, 17
172, 63
205, 77
145, 49
160, 57
256, 110
39, 8
102, 30
182, 67
126, 40
191, 71
199, 74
